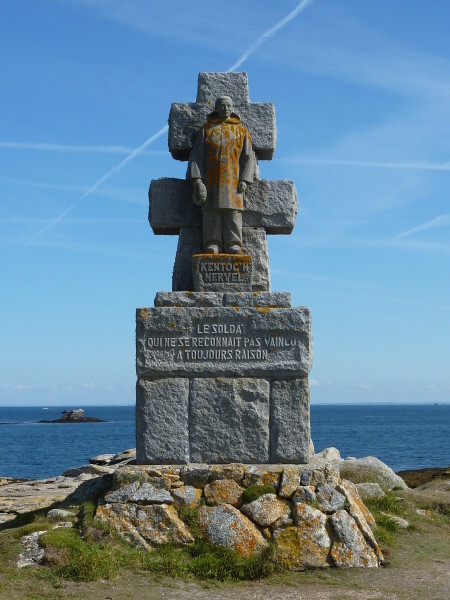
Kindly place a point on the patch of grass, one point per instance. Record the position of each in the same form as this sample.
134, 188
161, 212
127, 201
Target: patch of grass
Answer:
314, 504
388, 503
62, 537
189, 516
385, 537
254, 492
89, 563
223, 564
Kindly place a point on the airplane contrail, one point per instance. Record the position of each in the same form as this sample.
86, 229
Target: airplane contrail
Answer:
250, 50
420, 166
270, 33
437, 222
49, 147
116, 169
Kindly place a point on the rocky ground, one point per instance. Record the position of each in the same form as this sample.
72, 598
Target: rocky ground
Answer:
417, 565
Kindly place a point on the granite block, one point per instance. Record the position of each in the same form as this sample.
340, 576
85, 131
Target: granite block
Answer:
186, 299
162, 428
258, 299
289, 421
229, 420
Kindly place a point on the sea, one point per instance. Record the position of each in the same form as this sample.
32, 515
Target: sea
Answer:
402, 436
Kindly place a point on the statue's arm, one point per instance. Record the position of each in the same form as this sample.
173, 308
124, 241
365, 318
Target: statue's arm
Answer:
246, 165
196, 169
196, 165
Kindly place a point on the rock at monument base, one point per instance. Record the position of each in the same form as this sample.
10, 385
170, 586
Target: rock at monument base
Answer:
307, 545
226, 526
360, 514
290, 481
350, 549
229, 420
223, 491
187, 497
266, 510
263, 475
290, 427
146, 526
358, 509
329, 499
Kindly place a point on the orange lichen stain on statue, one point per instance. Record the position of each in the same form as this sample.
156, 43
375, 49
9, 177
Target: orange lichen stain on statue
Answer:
263, 309
143, 313
173, 325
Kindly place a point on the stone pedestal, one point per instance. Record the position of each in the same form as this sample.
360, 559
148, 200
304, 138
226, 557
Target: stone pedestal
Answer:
223, 377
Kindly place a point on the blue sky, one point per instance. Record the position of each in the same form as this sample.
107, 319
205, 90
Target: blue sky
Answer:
362, 94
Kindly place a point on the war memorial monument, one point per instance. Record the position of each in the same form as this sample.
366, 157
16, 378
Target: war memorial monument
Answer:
224, 451
222, 361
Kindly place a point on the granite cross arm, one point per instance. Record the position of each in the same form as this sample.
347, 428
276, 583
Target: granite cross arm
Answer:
271, 205
186, 118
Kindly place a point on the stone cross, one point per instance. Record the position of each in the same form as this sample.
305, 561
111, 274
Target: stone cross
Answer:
270, 206
185, 119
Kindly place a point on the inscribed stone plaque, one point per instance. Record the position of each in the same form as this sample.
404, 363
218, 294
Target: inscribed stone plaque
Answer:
227, 341
222, 272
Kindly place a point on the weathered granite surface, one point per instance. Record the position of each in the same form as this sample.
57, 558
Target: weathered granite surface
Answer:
162, 420
229, 420
258, 299
209, 299
289, 416
188, 299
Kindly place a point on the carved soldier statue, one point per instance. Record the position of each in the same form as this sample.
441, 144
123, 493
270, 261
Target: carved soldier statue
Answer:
221, 166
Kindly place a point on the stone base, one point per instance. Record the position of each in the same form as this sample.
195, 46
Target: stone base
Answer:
313, 518
223, 378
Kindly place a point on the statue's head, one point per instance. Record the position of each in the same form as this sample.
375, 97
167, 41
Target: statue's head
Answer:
224, 107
